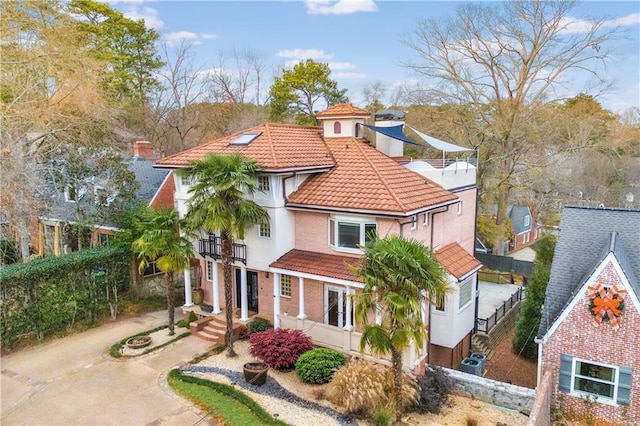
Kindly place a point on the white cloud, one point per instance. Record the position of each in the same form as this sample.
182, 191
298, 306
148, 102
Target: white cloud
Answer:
209, 36
339, 7
175, 38
150, 15
576, 26
302, 54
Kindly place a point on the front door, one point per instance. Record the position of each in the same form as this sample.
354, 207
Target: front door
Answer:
252, 290
335, 306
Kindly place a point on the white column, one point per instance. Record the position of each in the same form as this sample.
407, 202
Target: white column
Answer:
244, 303
276, 300
301, 314
187, 287
378, 314
349, 314
216, 288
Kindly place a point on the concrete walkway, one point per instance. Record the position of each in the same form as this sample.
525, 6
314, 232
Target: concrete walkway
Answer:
74, 381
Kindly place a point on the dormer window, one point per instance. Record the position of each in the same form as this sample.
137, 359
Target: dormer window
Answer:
245, 138
337, 128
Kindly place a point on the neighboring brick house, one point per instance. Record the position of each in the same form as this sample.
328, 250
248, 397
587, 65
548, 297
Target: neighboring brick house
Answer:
587, 338
325, 188
155, 188
525, 229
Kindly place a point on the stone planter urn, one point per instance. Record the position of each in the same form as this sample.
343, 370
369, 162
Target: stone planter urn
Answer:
138, 342
255, 373
197, 296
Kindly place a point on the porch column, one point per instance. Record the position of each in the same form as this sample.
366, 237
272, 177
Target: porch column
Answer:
301, 314
56, 240
349, 314
187, 287
276, 300
216, 288
244, 303
378, 314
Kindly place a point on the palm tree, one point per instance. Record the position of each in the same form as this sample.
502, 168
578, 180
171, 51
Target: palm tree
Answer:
398, 276
218, 204
162, 242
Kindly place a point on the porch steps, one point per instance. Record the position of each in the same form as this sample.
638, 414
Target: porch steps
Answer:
479, 345
214, 328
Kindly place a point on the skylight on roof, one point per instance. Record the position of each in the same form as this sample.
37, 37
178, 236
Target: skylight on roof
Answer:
246, 138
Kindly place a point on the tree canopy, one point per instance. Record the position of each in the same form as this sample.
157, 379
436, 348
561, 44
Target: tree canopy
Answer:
294, 95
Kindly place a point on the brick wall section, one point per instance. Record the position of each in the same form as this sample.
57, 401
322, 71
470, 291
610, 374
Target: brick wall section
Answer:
541, 409
579, 337
164, 196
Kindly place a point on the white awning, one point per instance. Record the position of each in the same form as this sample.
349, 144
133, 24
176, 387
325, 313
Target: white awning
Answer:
441, 145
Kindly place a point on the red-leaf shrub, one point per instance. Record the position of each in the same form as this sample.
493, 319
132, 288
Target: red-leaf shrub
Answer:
279, 348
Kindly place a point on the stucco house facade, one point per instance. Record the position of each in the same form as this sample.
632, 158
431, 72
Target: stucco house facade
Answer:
589, 335
325, 189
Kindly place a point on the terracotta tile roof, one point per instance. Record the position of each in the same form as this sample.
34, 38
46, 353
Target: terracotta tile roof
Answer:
278, 147
367, 180
456, 260
326, 265
343, 110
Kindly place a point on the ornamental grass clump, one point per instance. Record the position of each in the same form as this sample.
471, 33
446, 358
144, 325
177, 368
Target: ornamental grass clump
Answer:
318, 365
279, 348
362, 387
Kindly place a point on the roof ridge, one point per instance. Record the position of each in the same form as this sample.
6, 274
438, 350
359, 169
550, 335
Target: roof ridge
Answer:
377, 172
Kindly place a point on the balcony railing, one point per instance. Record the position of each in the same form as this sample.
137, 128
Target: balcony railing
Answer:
212, 247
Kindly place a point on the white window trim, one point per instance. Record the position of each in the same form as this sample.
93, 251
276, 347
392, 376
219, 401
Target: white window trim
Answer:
425, 219
209, 270
266, 179
260, 231
414, 222
459, 208
345, 219
282, 286
599, 398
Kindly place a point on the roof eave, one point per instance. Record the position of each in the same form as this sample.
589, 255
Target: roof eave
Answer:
303, 207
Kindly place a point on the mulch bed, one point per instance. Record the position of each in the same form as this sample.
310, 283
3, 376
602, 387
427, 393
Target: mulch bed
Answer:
505, 366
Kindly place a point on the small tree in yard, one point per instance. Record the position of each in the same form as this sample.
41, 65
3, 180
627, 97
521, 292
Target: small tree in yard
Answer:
399, 276
279, 348
162, 243
528, 320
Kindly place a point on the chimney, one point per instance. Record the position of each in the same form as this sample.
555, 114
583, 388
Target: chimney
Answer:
143, 149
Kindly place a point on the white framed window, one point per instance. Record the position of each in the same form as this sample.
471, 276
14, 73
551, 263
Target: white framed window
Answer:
264, 184
350, 234
425, 219
440, 305
187, 180
527, 220
465, 293
210, 266
151, 269
459, 208
285, 285
264, 230
414, 222
607, 383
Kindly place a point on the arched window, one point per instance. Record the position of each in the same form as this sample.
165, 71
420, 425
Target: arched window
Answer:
337, 128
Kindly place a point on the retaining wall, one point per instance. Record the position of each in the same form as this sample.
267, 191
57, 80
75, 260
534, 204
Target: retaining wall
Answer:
502, 394
501, 328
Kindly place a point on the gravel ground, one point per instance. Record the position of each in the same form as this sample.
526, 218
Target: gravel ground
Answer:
505, 366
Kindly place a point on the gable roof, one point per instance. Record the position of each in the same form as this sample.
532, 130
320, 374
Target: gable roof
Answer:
149, 178
457, 261
587, 236
278, 147
367, 180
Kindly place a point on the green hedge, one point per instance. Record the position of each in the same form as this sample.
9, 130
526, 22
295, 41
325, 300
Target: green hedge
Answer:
46, 296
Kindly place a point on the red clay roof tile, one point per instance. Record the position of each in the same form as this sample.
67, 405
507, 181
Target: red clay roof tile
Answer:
367, 180
278, 147
321, 264
456, 260
343, 110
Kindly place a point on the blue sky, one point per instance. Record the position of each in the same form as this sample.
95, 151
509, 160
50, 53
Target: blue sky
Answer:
359, 39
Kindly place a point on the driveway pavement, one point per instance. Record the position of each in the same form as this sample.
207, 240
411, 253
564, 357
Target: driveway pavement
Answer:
74, 381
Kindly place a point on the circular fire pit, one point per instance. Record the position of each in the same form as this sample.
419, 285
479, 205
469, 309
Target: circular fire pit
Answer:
138, 342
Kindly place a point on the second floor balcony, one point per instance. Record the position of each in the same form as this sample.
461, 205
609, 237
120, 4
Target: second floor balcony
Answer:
212, 247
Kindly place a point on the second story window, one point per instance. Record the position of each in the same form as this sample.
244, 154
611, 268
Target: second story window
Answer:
337, 128
414, 221
264, 230
264, 184
350, 234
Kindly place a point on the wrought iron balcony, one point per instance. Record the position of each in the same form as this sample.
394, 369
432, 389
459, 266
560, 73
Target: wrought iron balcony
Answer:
212, 247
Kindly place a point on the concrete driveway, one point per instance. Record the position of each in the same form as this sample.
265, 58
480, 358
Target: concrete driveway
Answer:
74, 381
